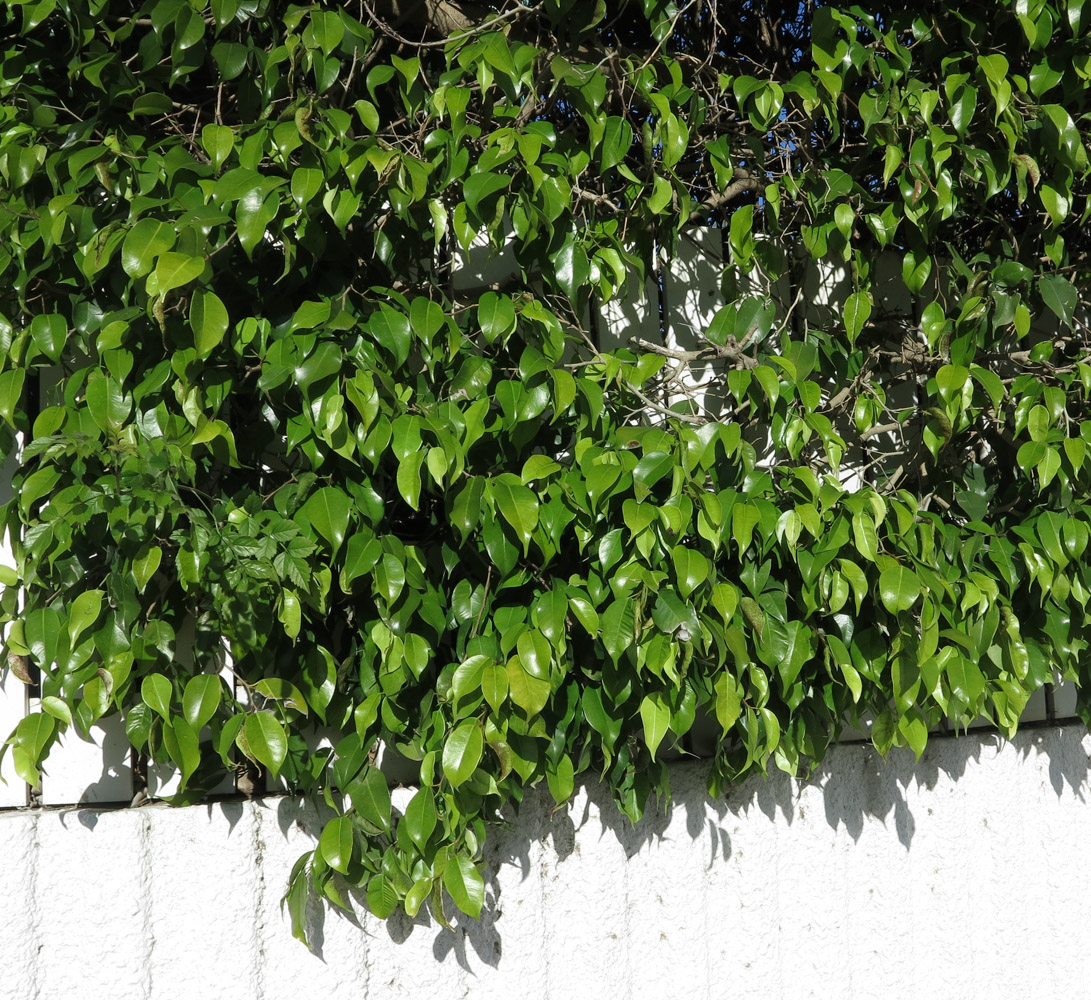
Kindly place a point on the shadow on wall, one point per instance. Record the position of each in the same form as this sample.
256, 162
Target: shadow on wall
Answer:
856, 787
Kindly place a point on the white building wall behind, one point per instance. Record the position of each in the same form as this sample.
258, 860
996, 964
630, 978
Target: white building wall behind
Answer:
962, 876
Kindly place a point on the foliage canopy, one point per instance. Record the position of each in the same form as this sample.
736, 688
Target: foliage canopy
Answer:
265, 432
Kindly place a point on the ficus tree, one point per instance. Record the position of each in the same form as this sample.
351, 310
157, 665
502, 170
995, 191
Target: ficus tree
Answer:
287, 491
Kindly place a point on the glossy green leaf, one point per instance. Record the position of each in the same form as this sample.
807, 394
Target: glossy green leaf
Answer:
336, 843
173, 270
143, 245
465, 886
462, 752
208, 317
84, 612
200, 699
266, 739
156, 691
421, 818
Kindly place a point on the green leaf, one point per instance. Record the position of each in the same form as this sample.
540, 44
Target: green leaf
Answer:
864, 535
336, 843
572, 267
183, 747
306, 183
370, 797
690, 567
605, 723
278, 689
857, 312
465, 886
617, 140
1060, 296
156, 691
534, 653
673, 615
363, 552
11, 393
744, 518
899, 588
409, 482
33, 734
991, 383
328, 510
218, 141
618, 622
49, 332
83, 613
173, 270
530, 693
517, 505
382, 896
496, 316
208, 317
253, 213
145, 565
479, 190
655, 714
108, 405
915, 730
538, 467
200, 699
728, 701
420, 818
266, 739
144, 243
650, 470
494, 685
392, 332
58, 708
462, 752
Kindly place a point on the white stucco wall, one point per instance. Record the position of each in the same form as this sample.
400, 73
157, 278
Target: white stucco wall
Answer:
961, 876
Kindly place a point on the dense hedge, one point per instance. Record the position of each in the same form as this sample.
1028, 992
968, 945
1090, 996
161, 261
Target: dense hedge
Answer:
265, 438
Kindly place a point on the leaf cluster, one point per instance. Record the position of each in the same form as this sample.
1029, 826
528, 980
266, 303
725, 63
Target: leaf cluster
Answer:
295, 482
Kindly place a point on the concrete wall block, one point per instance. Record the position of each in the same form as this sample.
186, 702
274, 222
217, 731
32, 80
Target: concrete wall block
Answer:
582, 853
20, 957
92, 898
207, 886
962, 873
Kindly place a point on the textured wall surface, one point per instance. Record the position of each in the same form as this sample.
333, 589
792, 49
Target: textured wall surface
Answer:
961, 876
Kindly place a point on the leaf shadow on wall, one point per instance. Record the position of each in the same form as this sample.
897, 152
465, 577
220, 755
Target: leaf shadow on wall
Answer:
854, 791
